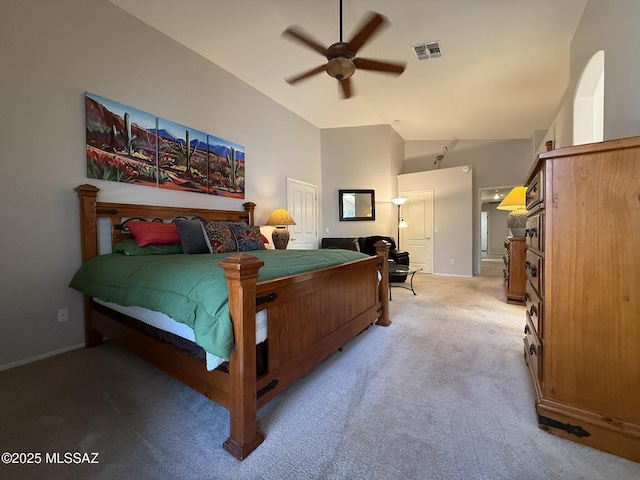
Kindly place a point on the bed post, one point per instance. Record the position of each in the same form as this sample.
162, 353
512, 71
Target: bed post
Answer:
241, 272
250, 208
88, 195
382, 250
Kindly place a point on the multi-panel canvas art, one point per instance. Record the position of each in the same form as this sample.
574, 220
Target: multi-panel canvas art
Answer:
127, 145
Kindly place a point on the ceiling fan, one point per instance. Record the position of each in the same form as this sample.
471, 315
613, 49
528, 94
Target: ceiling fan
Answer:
341, 56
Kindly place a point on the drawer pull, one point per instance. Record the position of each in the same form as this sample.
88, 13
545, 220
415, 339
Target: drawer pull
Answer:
533, 311
533, 268
527, 330
532, 349
532, 232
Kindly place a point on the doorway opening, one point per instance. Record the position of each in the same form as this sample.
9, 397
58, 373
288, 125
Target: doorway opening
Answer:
492, 229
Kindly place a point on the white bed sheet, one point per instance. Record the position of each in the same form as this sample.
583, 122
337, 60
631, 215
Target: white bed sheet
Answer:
168, 324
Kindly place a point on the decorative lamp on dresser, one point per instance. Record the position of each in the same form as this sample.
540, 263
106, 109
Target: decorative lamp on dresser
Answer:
515, 246
582, 330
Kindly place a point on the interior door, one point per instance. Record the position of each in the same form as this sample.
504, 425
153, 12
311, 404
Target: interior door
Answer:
302, 204
417, 237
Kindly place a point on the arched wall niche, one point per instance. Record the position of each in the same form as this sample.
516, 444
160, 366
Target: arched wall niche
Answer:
588, 102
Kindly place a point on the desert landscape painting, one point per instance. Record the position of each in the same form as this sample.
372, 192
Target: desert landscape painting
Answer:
128, 145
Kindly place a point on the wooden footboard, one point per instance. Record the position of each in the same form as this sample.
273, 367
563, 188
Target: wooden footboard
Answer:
309, 316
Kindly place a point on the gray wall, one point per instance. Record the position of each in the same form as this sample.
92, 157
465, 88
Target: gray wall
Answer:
52, 52
452, 216
495, 164
360, 158
611, 26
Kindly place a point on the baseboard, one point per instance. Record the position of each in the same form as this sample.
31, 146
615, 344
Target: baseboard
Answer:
8, 366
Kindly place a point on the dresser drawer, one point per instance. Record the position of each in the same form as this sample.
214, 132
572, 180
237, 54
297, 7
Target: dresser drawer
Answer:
535, 190
533, 350
534, 232
534, 267
535, 310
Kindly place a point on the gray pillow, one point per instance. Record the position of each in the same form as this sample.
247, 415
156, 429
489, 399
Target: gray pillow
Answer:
192, 236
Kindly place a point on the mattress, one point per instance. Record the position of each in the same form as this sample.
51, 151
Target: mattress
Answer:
168, 324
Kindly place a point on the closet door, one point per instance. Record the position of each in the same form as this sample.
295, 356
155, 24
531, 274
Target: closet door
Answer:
302, 204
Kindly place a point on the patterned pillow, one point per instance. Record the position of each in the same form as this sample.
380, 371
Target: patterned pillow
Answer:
247, 237
220, 236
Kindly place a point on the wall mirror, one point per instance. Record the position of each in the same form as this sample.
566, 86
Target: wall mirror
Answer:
357, 205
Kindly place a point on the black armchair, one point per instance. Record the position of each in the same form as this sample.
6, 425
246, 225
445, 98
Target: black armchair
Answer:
367, 245
396, 256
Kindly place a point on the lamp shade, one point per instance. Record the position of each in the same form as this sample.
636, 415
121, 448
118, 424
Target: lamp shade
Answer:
515, 200
399, 201
280, 217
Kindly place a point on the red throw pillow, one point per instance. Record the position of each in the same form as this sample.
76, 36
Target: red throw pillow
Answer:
154, 233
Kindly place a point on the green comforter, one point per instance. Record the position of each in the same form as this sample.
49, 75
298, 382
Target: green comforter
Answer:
191, 288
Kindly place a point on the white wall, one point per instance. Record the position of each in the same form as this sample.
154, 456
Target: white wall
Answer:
360, 158
452, 216
611, 26
52, 52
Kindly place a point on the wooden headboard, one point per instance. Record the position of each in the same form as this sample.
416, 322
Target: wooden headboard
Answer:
91, 210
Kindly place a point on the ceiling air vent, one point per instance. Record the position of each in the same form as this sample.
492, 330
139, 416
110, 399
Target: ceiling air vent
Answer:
424, 51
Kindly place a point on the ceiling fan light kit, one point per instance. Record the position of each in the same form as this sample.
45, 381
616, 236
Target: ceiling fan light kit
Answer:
341, 56
340, 68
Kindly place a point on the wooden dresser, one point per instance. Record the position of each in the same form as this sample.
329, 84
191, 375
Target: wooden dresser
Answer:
582, 331
513, 273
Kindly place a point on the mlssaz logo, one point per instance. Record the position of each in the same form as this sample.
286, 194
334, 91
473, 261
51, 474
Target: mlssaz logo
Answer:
72, 457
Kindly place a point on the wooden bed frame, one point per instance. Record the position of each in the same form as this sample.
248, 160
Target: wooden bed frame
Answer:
310, 316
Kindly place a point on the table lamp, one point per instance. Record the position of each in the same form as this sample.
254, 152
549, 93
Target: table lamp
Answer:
280, 218
516, 202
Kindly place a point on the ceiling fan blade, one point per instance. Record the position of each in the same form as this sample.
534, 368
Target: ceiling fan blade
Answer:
372, 24
301, 36
378, 66
307, 74
345, 87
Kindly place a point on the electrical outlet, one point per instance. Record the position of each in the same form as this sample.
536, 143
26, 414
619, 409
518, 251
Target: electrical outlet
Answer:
453, 261
63, 315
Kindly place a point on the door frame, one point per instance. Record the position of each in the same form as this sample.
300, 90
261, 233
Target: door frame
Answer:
477, 240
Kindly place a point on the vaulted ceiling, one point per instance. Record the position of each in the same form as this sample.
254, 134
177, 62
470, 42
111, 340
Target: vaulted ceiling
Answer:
503, 70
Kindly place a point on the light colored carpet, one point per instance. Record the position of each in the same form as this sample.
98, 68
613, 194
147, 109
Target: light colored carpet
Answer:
443, 393
491, 268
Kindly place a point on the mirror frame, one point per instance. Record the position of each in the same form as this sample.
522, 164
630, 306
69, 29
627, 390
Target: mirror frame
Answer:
372, 195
